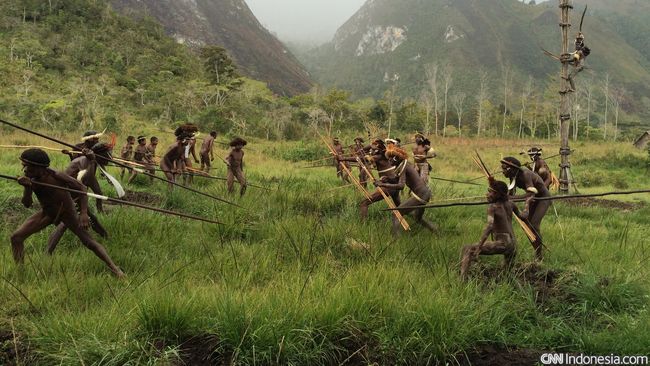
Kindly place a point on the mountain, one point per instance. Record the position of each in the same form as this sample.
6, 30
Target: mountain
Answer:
232, 25
387, 38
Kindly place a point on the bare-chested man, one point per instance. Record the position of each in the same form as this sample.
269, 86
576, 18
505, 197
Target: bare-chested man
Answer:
539, 166
499, 226
84, 170
207, 152
139, 155
339, 161
170, 163
56, 207
127, 152
88, 140
534, 186
421, 153
235, 162
386, 172
150, 157
408, 177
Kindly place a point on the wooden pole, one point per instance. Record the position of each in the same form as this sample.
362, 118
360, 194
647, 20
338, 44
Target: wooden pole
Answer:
565, 103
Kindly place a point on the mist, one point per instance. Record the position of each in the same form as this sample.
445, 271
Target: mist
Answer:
304, 21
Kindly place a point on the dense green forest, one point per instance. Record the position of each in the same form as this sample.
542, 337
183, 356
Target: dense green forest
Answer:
70, 65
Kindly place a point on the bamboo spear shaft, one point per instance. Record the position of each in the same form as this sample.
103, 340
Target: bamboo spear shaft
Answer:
552, 198
347, 171
389, 200
120, 164
115, 200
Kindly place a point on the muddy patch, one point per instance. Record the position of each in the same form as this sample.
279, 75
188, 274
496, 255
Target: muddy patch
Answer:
548, 284
142, 198
200, 351
13, 351
611, 204
489, 355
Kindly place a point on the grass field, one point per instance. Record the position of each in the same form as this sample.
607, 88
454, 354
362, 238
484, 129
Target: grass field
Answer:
296, 278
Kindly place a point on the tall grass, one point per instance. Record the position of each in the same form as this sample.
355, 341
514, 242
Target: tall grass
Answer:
297, 278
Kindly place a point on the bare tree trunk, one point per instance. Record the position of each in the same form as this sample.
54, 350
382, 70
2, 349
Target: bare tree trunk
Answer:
524, 97
459, 103
482, 95
448, 81
432, 78
506, 72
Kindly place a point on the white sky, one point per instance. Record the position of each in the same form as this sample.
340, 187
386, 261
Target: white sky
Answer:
304, 20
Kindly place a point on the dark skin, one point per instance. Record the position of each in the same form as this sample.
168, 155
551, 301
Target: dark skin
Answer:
338, 149
89, 179
387, 174
235, 162
533, 211
541, 168
187, 163
207, 152
360, 151
149, 157
139, 155
126, 154
421, 194
421, 153
56, 207
499, 226
170, 159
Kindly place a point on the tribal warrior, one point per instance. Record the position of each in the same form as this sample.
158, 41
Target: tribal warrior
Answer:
84, 170
408, 177
339, 160
170, 162
56, 207
139, 155
534, 186
127, 153
235, 162
207, 152
422, 152
499, 226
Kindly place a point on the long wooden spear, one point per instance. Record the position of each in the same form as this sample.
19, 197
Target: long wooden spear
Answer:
552, 198
109, 199
119, 164
388, 199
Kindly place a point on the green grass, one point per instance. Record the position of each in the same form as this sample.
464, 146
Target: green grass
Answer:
297, 279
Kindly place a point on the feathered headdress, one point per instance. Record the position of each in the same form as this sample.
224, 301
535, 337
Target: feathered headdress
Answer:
186, 131
393, 151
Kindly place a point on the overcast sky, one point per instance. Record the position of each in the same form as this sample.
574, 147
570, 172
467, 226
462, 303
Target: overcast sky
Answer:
304, 20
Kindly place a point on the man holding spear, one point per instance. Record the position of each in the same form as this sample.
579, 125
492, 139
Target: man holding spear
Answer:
408, 177
235, 161
421, 153
139, 155
207, 152
534, 210
84, 170
56, 207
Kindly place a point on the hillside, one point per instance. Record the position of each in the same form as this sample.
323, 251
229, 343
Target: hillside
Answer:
232, 25
386, 38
